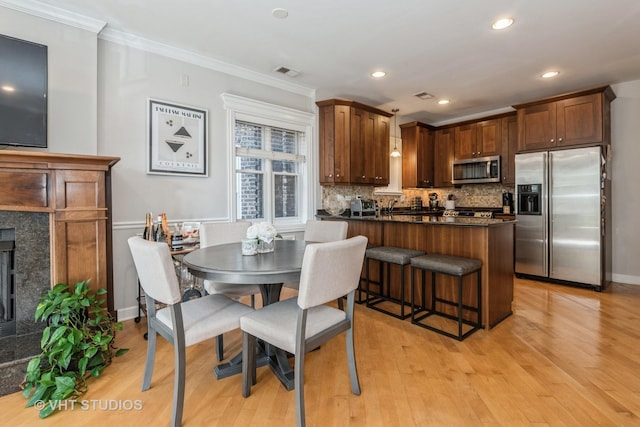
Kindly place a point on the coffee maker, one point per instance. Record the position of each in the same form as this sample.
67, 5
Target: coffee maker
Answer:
507, 203
433, 201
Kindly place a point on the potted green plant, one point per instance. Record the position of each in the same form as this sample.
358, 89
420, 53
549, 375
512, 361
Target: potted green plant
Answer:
76, 344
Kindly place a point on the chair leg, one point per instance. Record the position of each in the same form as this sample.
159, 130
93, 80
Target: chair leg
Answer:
299, 386
179, 378
351, 360
151, 357
248, 363
219, 347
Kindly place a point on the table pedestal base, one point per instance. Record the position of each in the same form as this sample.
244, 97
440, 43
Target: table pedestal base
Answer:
277, 359
267, 355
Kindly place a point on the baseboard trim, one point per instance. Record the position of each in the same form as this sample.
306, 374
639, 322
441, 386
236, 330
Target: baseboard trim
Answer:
626, 279
128, 313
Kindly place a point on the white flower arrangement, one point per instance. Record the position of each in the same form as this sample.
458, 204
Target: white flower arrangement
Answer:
262, 231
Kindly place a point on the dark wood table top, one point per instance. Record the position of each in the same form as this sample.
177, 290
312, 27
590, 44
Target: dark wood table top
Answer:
225, 263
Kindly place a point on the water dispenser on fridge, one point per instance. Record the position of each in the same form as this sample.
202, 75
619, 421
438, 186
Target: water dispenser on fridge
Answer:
529, 199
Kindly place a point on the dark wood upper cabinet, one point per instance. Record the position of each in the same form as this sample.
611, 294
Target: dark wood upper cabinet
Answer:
465, 137
489, 138
478, 139
443, 157
575, 119
335, 154
354, 143
509, 147
417, 155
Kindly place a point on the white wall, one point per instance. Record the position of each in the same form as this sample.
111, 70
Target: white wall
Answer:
625, 171
127, 78
72, 71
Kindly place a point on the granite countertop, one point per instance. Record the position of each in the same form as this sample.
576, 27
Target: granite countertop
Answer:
424, 219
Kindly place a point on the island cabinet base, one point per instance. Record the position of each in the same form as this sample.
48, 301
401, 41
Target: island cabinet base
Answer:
493, 245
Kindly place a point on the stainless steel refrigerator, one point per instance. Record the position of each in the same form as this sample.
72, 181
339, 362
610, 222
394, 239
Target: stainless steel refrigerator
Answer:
560, 214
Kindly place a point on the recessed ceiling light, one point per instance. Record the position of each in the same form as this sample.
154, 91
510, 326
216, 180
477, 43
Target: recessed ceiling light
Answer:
443, 102
8, 88
549, 74
378, 74
501, 24
280, 13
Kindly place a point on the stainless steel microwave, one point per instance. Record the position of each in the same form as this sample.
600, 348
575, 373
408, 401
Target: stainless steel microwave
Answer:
476, 170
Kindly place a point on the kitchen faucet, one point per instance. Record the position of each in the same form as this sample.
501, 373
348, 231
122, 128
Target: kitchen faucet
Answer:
390, 205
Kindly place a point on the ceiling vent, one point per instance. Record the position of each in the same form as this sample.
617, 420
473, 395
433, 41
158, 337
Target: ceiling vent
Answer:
287, 71
423, 95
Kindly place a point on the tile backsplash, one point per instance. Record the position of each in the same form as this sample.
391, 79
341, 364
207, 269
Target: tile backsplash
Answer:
475, 195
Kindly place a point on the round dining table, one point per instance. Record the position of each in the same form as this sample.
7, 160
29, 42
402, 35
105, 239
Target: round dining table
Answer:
226, 263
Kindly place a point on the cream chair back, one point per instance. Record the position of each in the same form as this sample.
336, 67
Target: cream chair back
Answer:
330, 270
220, 233
155, 270
325, 231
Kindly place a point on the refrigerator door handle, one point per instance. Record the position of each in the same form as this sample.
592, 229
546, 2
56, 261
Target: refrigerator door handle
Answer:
549, 213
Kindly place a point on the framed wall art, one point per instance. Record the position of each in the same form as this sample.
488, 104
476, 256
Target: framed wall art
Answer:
177, 137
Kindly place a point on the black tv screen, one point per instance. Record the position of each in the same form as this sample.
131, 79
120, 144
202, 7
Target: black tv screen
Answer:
23, 93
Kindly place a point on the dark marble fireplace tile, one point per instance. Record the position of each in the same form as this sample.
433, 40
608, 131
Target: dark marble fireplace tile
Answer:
32, 280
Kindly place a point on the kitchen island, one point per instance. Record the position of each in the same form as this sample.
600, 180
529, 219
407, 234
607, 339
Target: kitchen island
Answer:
487, 239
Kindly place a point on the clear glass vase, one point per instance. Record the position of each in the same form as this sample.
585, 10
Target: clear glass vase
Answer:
266, 247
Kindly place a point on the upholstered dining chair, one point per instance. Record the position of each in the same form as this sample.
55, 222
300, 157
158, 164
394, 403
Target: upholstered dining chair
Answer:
181, 323
297, 325
220, 233
322, 231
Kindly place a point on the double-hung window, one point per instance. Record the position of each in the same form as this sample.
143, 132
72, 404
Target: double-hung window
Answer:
270, 155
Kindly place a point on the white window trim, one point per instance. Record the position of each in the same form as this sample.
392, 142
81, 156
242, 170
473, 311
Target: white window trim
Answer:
245, 109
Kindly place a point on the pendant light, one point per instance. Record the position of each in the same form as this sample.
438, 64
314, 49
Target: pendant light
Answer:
395, 152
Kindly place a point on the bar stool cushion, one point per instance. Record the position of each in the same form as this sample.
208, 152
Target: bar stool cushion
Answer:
447, 264
392, 254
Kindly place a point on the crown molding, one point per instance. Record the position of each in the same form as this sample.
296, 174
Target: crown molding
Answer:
52, 13
137, 42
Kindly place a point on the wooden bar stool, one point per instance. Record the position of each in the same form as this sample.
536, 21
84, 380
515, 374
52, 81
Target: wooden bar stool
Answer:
451, 266
386, 257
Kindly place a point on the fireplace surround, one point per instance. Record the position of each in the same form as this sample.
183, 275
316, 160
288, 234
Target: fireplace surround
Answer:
58, 206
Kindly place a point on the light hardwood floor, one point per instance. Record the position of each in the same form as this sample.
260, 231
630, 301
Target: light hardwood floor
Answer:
566, 357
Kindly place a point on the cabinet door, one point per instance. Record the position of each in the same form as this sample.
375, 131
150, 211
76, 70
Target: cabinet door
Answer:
334, 137
326, 137
489, 138
537, 127
425, 158
409, 156
342, 150
80, 227
443, 157
509, 147
381, 148
465, 141
363, 129
579, 120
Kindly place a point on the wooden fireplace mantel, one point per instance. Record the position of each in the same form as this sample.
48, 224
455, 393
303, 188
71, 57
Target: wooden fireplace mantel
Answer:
76, 192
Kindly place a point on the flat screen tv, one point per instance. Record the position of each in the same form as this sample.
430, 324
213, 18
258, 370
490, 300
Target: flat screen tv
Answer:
23, 93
